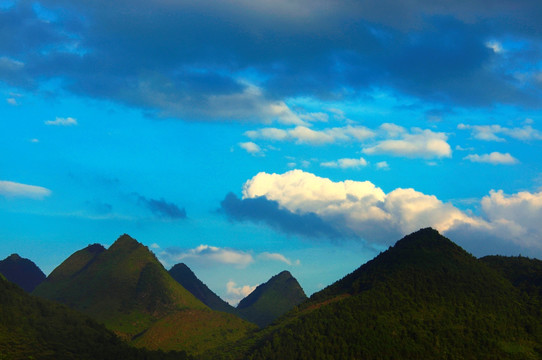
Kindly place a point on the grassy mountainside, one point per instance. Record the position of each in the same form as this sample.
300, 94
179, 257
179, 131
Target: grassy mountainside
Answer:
424, 298
184, 276
22, 272
270, 300
35, 328
126, 288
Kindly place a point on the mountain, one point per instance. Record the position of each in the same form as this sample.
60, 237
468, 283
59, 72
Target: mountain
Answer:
523, 272
34, 328
22, 272
184, 276
270, 300
423, 298
126, 288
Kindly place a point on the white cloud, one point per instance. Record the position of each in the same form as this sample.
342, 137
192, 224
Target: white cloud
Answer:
419, 143
494, 158
495, 46
382, 165
69, 121
278, 257
251, 148
209, 255
155, 246
355, 207
12, 101
12, 189
345, 163
237, 293
306, 135
10, 64
491, 132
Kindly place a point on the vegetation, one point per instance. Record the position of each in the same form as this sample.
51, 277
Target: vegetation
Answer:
184, 276
22, 272
272, 299
34, 328
424, 298
126, 288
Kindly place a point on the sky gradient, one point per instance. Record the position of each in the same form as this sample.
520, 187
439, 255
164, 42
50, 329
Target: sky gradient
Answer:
249, 137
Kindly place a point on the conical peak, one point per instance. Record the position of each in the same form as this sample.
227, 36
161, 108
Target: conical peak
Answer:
14, 257
283, 275
424, 238
125, 241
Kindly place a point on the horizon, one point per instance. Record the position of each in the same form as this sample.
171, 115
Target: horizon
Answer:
244, 139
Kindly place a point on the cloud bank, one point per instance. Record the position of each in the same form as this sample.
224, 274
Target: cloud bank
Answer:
354, 209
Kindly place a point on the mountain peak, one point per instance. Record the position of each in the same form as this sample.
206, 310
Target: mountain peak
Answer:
125, 242
270, 300
95, 248
186, 277
22, 272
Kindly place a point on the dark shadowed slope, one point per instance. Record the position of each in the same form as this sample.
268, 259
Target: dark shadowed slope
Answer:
22, 272
270, 300
424, 298
186, 277
34, 328
127, 289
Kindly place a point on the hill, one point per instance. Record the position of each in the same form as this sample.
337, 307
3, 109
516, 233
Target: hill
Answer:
34, 328
22, 272
270, 300
523, 272
424, 298
184, 276
126, 288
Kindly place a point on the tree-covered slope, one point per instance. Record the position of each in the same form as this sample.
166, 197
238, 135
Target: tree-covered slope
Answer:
523, 272
186, 277
424, 298
35, 328
270, 300
22, 272
126, 288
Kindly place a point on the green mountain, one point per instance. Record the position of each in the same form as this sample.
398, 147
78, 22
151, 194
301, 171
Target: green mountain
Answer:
126, 288
22, 272
184, 276
34, 328
523, 272
270, 300
424, 298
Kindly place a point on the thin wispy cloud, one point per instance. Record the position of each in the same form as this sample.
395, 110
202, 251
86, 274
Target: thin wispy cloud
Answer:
69, 121
12, 189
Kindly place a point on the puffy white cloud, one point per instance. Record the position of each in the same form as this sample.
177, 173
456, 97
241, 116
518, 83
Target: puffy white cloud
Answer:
345, 163
382, 165
417, 144
506, 224
13, 189
69, 121
237, 293
353, 207
492, 132
251, 148
494, 158
207, 255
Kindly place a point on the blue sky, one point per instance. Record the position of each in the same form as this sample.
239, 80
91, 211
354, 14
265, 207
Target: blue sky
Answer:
245, 138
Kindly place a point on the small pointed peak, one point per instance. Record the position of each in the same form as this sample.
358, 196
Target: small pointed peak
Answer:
14, 257
95, 248
284, 275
